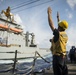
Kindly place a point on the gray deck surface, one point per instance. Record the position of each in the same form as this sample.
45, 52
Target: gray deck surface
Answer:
71, 69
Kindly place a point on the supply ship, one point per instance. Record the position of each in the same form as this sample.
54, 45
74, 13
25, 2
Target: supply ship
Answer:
12, 38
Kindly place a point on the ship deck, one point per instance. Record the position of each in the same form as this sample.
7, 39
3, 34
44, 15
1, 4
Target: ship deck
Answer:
71, 69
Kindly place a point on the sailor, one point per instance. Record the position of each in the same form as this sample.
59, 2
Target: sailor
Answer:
58, 47
8, 14
8, 11
72, 54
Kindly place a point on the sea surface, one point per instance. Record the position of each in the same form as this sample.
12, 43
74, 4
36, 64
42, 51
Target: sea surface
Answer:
26, 66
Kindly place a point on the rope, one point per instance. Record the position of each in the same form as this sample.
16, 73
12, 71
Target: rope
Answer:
7, 70
28, 72
33, 66
26, 69
42, 57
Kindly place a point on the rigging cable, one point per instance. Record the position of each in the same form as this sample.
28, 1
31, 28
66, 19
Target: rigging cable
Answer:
34, 6
20, 4
17, 5
24, 4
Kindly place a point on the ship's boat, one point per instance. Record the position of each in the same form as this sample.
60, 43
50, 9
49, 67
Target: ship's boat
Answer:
12, 29
2, 26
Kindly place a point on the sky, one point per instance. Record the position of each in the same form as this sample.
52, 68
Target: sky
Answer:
32, 15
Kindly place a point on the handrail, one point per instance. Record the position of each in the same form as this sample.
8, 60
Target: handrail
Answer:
29, 69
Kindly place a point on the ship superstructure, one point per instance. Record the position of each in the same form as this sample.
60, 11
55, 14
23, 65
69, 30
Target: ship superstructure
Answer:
12, 37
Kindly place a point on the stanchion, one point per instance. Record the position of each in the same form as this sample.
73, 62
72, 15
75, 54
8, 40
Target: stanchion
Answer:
15, 60
33, 66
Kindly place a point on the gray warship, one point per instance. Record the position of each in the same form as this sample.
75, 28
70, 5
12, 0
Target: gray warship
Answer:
12, 38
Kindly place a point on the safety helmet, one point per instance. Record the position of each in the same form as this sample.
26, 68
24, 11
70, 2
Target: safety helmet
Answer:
63, 24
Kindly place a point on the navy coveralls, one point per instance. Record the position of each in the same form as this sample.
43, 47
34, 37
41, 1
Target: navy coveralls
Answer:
59, 62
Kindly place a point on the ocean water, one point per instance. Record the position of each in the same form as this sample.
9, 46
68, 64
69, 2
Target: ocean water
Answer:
26, 66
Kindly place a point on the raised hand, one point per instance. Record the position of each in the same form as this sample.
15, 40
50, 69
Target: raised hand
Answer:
49, 10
